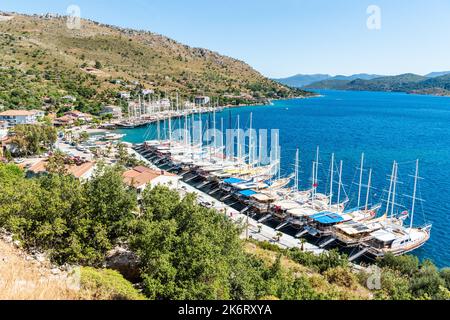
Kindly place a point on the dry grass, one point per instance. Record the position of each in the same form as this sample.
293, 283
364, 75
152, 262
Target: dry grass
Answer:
321, 283
23, 279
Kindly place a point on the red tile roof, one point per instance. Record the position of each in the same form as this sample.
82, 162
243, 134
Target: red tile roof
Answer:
76, 171
140, 176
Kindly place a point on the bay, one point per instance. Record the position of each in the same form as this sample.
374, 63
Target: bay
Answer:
385, 126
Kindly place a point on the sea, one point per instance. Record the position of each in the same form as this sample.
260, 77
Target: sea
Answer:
386, 127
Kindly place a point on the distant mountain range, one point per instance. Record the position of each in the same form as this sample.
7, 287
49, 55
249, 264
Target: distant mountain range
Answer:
302, 80
435, 83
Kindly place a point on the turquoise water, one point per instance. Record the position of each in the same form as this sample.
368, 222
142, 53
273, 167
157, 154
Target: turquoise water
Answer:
385, 126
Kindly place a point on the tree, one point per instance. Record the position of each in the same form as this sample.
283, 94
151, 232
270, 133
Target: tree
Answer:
57, 163
111, 202
84, 136
33, 139
98, 65
74, 222
189, 252
445, 274
427, 283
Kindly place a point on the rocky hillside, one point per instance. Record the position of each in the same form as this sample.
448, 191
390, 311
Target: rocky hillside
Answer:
31, 276
43, 60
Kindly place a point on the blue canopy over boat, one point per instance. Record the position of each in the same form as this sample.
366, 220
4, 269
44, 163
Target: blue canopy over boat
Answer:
327, 218
233, 180
248, 193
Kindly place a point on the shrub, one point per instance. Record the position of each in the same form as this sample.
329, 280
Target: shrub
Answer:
407, 265
427, 283
105, 284
321, 263
445, 274
394, 286
342, 277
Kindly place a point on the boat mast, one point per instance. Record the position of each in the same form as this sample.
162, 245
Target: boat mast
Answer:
193, 128
158, 130
416, 178
250, 141
331, 179
390, 189
394, 190
186, 130
297, 160
360, 180
214, 131
200, 128
313, 180
316, 174
279, 162
239, 139
221, 140
340, 184
368, 189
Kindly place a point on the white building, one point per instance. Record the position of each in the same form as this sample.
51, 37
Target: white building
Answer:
115, 111
15, 117
143, 177
200, 100
124, 95
3, 129
146, 92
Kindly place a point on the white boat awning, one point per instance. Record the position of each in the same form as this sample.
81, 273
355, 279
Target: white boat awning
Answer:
384, 236
302, 212
287, 205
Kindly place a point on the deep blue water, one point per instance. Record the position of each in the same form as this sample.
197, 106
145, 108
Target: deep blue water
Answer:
385, 126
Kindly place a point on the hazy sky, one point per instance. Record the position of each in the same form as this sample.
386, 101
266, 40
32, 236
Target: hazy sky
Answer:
285, 37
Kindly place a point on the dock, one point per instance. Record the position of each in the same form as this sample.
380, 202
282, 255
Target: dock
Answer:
256, 230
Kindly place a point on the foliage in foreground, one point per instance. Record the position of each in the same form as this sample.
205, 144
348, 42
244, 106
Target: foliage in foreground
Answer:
74, 222
186, 251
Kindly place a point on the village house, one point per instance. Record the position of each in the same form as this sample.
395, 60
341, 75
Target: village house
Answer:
69, 98
82, 171
142, 177
15, 117
147, 92
115, 111
124, 95
64, 121
201, 100
78, 115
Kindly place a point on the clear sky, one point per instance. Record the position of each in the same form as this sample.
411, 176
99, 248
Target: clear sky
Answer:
285, 37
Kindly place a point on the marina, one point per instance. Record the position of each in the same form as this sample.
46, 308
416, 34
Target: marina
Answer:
145, 111
261, 193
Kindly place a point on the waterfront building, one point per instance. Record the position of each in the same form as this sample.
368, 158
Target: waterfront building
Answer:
115, 111
202, 100
15, 117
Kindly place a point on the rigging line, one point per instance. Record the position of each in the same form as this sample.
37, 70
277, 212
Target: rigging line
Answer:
353, 182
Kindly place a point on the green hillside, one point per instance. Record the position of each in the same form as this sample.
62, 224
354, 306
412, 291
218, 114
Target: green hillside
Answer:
410, 83
43, 61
